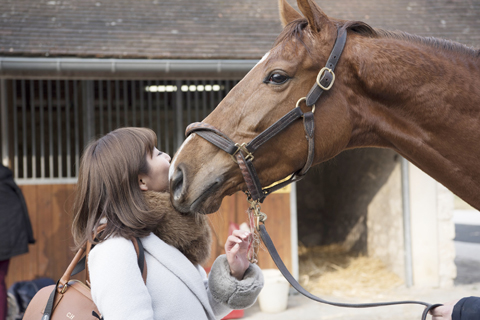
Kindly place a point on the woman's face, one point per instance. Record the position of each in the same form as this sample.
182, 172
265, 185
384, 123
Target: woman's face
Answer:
157, 178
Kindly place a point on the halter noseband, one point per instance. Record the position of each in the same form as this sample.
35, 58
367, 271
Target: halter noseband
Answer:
243, 153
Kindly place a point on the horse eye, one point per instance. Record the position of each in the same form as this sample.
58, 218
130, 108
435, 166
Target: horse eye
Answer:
278, 78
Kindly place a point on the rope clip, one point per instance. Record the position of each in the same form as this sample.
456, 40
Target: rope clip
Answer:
261, 217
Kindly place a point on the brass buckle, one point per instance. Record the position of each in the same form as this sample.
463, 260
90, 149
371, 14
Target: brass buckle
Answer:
302, 99
320, 74
242, 147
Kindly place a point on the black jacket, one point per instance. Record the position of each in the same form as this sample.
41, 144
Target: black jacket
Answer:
467, 309
15, 227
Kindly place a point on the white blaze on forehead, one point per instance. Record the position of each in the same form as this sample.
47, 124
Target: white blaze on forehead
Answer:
172, 165
261, 60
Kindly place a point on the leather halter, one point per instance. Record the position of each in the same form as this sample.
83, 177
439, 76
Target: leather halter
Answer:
256, 195
243, 153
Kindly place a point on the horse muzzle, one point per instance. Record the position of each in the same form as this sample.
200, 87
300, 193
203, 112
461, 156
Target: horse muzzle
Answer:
197, 195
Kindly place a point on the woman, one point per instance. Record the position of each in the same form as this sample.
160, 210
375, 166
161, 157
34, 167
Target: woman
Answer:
123, 183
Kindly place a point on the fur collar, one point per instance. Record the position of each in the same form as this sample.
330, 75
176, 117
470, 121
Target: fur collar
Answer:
189, 233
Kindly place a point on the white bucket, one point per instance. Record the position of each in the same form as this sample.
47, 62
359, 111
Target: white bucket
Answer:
274, 295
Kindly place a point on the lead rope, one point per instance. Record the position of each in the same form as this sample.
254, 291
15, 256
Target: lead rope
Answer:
254, 245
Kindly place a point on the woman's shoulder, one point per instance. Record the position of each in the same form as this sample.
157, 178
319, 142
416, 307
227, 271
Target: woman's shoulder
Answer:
115, 243
113, 247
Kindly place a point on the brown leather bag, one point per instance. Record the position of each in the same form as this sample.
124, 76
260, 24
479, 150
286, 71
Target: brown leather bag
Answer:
71, 299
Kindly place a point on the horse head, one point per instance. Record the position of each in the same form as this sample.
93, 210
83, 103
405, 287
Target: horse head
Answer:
201, 174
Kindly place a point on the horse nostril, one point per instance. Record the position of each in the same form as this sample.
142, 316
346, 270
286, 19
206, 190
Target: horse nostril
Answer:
177, 184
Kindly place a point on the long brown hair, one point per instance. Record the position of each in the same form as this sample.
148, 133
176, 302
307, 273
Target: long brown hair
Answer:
108, 188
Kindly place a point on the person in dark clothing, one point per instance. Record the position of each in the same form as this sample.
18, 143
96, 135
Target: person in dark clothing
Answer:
15, 229
467, 308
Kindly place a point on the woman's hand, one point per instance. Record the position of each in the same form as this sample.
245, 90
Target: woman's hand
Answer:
443, 312
236, 249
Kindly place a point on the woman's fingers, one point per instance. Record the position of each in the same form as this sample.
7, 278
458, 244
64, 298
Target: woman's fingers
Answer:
232, 241
237, 237
234, 250
241, 234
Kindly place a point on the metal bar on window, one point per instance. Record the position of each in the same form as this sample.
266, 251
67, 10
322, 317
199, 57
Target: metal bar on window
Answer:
159, 129
109, 104
197, 100
227, 86
204, 100
178, 115
32, 128
15, 130
134, 111
212, 97
76, 129
125, 101
4, 117
165, 110
189, 103
88, 111
100, 105
117, 101
42, 130
24, 129
50, 126
67, 130
220, 92
59, 129
142, 115
150, 116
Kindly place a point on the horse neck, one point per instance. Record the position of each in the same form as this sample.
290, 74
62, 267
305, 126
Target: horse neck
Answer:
423, 102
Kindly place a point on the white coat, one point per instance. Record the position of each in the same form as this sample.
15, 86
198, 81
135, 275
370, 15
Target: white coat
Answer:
175, 288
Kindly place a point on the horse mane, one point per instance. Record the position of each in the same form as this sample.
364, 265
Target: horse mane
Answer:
294, 30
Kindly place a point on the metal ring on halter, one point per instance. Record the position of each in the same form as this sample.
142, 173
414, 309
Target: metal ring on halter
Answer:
321, 74
300, 100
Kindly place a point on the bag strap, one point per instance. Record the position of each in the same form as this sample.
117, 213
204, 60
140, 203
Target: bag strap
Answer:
79, 263
142, 262
89, 247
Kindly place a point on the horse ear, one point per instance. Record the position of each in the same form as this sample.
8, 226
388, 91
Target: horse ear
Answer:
287, 13
315, 16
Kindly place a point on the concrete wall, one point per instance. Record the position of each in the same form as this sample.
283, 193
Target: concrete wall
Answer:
385, 224
432, 231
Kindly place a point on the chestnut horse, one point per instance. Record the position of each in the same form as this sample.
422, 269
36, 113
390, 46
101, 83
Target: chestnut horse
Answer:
418, 96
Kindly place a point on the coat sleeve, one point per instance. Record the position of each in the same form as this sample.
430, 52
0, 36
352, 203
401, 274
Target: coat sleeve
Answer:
26, 217
467, 309
117, 285
226, 290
